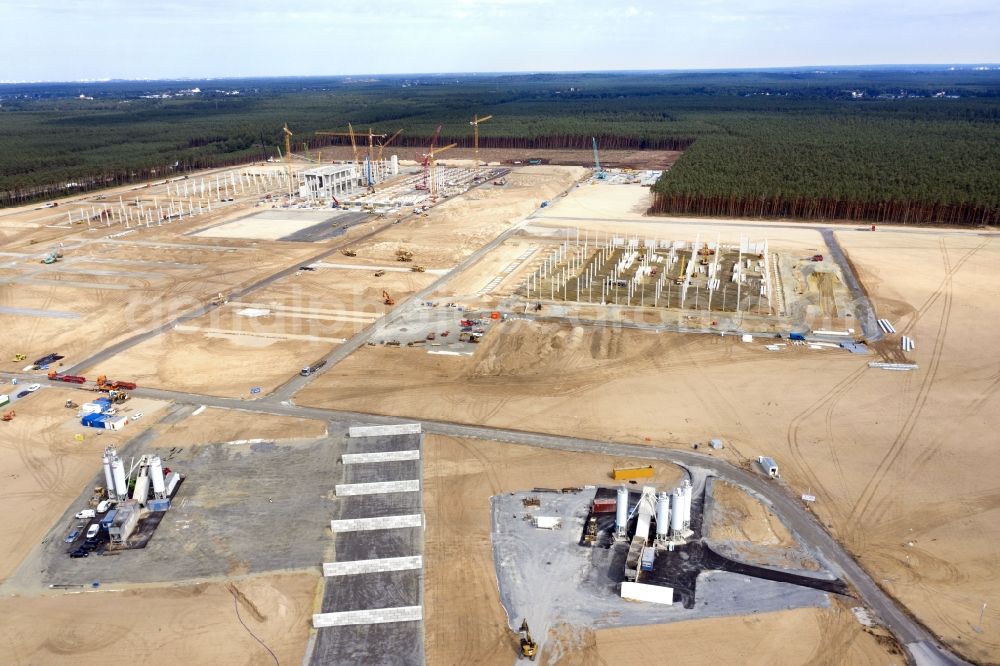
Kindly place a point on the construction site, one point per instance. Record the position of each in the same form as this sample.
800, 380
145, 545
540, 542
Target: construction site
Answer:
331, 363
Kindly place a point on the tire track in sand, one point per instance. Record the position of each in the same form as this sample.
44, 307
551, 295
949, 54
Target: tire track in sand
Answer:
870, 491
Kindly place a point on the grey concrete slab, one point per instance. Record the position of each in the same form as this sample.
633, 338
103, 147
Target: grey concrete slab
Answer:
257, 507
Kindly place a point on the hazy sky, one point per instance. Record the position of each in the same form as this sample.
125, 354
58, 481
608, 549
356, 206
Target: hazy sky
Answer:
76, 39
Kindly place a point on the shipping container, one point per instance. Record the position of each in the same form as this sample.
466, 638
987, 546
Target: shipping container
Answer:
648, 557
622, 473
108, 519
4, 400
91, 408
796, 336
172, 480
94, 421
605, 505
158, 505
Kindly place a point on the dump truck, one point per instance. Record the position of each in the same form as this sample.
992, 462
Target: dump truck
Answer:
622, 473
379, 273
404, 255
349, 253
417, 269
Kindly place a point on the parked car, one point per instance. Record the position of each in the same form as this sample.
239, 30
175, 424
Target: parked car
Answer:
23, 393
136, 416
86, 513
79, 553
103, 506
33, 387
92, 543
71, 537
93, 530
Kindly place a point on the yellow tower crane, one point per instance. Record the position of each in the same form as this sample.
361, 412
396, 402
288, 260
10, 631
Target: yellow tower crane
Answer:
475, 132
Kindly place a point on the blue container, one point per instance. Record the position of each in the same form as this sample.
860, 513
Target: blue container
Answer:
796, 336
108, 519
94, 421
103, 402
158, 505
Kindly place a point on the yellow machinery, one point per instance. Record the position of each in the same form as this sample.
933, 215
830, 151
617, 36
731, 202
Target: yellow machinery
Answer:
20, 357
417, 269
475, 133
529, 648
622, 473
387, 299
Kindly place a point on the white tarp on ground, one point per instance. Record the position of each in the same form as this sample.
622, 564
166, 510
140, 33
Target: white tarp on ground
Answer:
374, 431
253, 312
355, 567
373, 616
651, 593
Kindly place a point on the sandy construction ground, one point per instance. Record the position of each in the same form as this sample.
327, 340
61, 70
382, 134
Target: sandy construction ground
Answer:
159, 282
454, 229
265, 339
214, 361
209, 622
44, 467
877, 448
225, 425
804, 636
466, 623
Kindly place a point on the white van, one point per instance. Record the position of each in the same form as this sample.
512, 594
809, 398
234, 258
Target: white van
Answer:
103, 506
93, 530
86, 513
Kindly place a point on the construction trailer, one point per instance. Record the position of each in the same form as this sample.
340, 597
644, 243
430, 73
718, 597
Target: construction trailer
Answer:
623, 473
768, 465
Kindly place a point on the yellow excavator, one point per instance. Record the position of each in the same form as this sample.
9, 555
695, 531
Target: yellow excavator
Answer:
529, 648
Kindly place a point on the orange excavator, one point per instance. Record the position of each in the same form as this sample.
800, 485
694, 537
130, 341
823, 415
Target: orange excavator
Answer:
9, 416
387, 299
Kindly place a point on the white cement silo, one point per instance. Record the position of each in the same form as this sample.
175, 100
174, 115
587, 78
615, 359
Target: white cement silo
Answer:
621, 512
156, 475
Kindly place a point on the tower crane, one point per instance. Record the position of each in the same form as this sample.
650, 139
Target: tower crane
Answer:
288, 141
475, 132
425, 160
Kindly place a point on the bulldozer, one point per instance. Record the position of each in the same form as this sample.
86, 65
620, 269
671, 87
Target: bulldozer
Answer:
387, 299
417, 269
349, 253
404, 255
529, 648
379, 273
70, 405
19, 357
